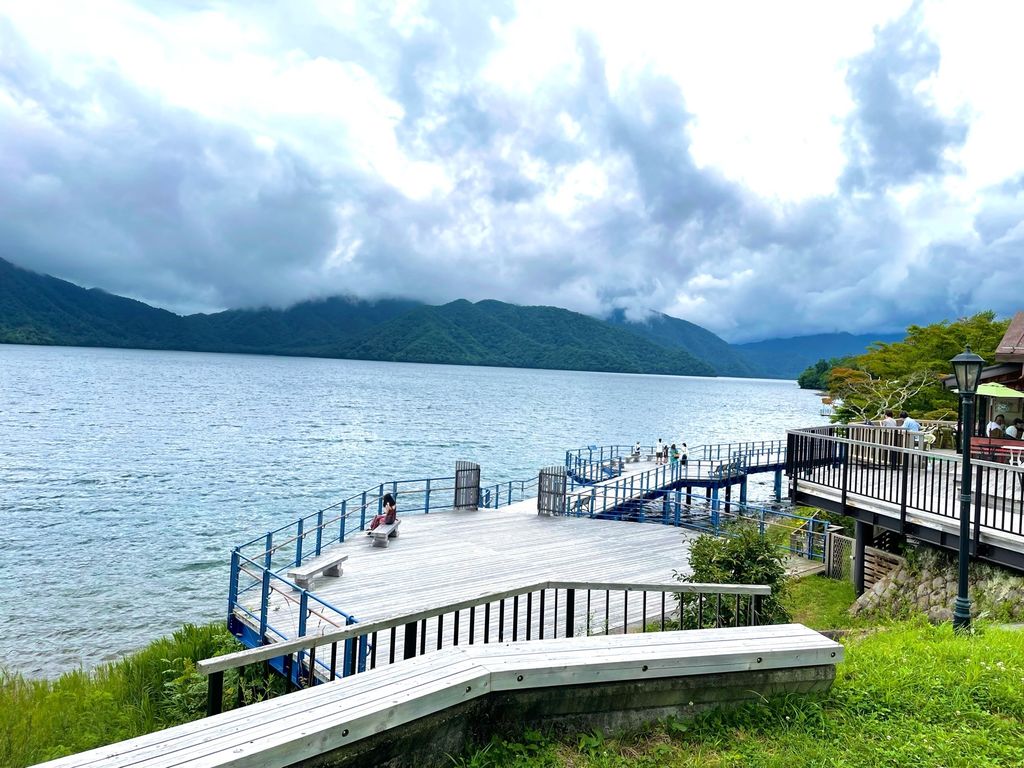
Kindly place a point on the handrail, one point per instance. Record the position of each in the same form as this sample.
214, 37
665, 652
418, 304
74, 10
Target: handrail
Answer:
308, 642
954, 458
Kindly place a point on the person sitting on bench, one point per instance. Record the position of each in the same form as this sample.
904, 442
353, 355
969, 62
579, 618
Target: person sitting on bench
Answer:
388, 516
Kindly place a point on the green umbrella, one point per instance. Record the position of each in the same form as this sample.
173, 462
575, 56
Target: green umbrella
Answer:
998, 390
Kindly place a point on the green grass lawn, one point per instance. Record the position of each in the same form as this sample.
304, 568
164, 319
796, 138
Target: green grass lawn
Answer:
907, 695
822, 603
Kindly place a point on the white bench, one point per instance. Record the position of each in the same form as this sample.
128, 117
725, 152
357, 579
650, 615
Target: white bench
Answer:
383, 533
301, 726
328, 565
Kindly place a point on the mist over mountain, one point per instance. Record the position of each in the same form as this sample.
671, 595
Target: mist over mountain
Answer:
39, 309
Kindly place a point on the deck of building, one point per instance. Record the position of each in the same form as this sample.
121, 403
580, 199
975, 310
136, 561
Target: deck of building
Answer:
448, 556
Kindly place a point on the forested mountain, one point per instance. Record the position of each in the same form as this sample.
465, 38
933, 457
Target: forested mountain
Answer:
787, 358
495, 333
671, 332
38, 309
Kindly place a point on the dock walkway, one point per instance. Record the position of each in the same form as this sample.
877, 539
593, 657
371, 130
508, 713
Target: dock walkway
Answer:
453, 555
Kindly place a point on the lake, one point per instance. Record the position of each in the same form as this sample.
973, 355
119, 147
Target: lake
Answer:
126, 476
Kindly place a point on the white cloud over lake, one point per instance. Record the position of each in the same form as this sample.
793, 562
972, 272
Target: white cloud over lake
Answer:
759, 169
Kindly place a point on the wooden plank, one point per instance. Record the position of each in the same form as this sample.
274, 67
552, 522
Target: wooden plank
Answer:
435, 567
305, 724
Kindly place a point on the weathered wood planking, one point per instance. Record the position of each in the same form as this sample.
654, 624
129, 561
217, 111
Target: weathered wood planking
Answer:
452, 555
308, 723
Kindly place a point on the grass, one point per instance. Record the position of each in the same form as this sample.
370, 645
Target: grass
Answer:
146, 691
909, 694
822, 603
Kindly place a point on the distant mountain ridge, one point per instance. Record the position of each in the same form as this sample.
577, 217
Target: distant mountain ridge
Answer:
40, 309
700, 342
787, 358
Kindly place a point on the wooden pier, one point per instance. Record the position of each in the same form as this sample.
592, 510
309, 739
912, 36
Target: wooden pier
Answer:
447, 556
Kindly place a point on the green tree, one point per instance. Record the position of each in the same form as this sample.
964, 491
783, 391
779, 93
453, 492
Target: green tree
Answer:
742, 556
908, 374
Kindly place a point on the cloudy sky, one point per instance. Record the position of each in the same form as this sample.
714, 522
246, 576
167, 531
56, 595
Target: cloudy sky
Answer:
762, 169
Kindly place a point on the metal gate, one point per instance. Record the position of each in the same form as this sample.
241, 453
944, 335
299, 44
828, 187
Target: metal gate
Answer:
551, 491
839, 558
467, 485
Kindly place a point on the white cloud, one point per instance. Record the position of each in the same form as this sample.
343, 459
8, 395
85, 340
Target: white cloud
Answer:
694, 159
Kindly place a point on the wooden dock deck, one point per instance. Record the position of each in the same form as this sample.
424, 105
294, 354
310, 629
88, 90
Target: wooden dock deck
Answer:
449, 556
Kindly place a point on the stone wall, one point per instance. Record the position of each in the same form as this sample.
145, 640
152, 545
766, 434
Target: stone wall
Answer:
927, 584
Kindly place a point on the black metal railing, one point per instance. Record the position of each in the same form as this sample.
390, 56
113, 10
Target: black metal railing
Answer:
908, 479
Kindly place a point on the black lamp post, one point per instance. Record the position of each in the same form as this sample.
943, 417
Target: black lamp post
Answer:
967, 367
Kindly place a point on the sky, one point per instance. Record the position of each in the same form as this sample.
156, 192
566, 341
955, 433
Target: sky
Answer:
761, 169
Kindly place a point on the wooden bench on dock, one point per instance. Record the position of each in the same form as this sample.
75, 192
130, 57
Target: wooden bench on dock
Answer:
400, 714
328, 565
383, 533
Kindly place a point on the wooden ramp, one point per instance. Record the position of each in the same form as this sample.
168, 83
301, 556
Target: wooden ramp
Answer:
335, 716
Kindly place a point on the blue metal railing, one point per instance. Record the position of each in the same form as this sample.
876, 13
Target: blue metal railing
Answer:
509, 492
595, 464
685, 509
257, 565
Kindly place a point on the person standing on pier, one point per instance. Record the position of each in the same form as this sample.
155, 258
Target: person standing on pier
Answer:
659, 452
684, 454
673, 456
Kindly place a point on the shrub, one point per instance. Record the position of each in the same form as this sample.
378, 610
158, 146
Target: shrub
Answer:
742, 556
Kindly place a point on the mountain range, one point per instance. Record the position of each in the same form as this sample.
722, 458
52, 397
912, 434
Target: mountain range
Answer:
39, 309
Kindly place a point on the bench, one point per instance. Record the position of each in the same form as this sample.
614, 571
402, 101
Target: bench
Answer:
382, 534
390, 714
328, 565
994, 448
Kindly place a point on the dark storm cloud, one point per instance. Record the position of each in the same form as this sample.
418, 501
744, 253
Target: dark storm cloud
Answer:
107, 187
578, 194
895, 134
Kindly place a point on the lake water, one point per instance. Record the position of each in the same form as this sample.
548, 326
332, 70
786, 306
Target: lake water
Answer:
127, 476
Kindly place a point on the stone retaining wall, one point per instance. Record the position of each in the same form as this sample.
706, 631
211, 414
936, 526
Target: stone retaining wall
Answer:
927, 583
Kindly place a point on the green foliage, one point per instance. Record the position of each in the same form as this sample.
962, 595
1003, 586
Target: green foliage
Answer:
39, 309
671, 332
909, 694
907, 374
741, 557
817, 376
152, 689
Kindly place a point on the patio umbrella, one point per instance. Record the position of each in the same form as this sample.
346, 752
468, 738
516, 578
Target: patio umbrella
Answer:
997, 390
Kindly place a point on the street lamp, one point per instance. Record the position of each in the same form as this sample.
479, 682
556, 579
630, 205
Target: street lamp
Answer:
967, 367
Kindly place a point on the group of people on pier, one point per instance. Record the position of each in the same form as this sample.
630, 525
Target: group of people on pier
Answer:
666, 454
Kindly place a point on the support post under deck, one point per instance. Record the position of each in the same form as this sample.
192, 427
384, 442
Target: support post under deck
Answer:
863, 533
778, 485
